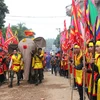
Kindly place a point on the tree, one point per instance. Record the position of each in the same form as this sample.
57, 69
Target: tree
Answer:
57, 41
3, 11
4, 31
20, 28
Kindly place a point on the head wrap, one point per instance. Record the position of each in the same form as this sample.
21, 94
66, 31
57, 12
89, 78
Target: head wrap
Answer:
91, 44
76, 46
98, 43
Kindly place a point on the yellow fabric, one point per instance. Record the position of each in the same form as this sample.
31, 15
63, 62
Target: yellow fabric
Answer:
61, 63
98, 90
24, 40
94, 89
77, 59
16, 68
22, 65
76, 46
16, 60
89, 84
98, 64
78, 73
98, 43
88, 58
37, 63
78, 77
89, 77
89, 87
91, 44
97, 61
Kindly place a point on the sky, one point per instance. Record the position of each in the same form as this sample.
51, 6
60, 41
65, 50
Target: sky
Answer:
44, 17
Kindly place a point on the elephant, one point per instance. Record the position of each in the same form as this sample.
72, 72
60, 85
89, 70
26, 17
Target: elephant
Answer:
27, 47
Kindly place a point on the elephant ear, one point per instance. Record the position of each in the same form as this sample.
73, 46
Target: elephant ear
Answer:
40, 42
12, 47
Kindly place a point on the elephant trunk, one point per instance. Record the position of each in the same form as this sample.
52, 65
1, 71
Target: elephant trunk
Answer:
27, 65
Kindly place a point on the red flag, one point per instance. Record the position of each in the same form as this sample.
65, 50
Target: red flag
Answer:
62, 36
65, 42
1, 38
9, 33
10, 38
75, 25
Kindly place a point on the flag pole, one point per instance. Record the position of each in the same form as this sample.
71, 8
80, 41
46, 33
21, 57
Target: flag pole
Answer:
84, 73
84, 45
93, 65
72, 72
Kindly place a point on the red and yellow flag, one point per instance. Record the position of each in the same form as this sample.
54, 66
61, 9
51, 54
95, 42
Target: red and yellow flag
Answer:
10, 38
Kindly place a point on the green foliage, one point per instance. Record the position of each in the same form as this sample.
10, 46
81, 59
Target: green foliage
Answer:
57, 41
3, 11
20, 28
4, 31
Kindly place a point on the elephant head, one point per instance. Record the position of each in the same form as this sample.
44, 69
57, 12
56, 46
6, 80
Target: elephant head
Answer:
26, 46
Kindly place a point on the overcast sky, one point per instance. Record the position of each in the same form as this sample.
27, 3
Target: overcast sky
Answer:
39, 9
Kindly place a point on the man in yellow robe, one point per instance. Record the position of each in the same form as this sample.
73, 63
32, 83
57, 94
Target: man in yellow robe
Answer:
37, 64
97, 63
15, 67
78, 70
89, 56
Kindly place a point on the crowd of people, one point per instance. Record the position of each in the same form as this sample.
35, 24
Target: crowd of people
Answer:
84, 66
64, 64
14, 64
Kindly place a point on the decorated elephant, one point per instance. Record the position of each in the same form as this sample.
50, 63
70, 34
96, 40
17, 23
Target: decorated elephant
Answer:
27, 47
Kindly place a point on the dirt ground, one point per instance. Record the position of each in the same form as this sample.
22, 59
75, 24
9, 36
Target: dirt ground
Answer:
52, 88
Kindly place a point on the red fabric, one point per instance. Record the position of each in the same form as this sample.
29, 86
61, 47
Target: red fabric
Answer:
10, 38
66, 67
1, 37
77, 36
1, 69
5, 67
95, 76
29, 33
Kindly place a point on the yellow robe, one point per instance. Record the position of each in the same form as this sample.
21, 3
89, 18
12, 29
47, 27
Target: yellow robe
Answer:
37, 63
16, 60
98, 83
78, 73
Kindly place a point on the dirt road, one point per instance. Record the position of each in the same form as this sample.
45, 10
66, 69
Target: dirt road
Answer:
52, 88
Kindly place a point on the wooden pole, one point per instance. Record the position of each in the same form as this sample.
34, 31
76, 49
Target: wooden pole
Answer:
93, 65
72, 73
